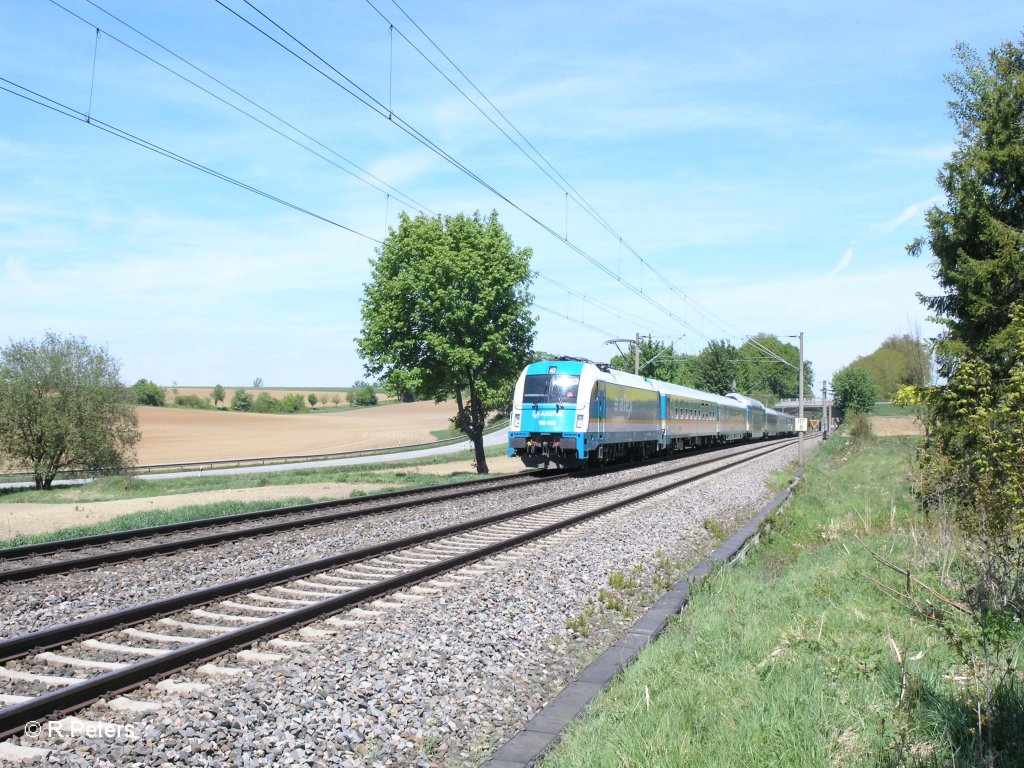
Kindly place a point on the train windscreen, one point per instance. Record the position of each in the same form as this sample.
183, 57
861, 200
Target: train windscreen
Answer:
551, 388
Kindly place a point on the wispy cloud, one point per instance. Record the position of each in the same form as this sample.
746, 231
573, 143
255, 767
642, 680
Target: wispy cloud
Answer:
911, 212
844, 262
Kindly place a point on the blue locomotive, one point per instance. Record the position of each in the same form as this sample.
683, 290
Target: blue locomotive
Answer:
574, 412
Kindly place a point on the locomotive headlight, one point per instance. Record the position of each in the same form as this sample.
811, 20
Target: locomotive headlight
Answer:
515, 421
579, 420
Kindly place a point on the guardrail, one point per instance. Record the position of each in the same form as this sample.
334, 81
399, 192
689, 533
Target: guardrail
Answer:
260, 461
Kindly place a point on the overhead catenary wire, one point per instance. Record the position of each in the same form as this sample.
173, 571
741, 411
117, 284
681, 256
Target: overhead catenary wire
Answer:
364, 176
364, 97
409, 129
564, 316
63, 109
568, 187
541, 161
641, 292
614, 311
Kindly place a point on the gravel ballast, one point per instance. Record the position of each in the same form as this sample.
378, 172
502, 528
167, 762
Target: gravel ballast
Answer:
440, 681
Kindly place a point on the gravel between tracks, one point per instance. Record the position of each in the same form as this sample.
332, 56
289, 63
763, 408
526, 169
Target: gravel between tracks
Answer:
47, 601
416, 686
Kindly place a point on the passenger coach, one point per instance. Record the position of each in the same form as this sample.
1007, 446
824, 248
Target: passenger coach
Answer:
571, 412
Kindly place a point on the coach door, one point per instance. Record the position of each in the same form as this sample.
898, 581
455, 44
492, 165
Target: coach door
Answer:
598, 408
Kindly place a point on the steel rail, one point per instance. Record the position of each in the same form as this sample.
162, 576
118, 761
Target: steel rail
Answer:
84, 562
463, 489
14, 718
51, 638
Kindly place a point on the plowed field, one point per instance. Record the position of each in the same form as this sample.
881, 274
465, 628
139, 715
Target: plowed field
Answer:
174, 435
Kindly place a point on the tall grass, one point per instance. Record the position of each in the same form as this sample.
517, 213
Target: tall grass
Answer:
795, 657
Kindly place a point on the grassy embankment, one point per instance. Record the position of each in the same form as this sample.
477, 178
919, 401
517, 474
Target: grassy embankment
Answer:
388, 476
794, 657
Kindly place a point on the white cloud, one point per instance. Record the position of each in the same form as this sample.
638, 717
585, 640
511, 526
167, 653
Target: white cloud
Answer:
910, 213
844, 262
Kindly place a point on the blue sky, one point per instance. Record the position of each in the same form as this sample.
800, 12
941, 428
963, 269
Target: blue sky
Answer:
769, 162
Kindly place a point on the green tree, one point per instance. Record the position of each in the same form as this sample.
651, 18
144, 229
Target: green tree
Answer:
978, 238
241, 400
63, 406
854, 390
971, 463
192, 401
447, 313
658, 360
766, 378
313, 399
148, 393
717, 367
217, 394
898, 362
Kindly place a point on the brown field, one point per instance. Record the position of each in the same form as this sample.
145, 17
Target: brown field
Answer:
890, 426
174, 435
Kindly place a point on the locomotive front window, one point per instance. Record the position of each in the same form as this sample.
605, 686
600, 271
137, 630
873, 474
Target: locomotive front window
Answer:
551, 388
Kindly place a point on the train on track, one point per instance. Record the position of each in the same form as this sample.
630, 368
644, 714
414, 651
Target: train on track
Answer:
573, 413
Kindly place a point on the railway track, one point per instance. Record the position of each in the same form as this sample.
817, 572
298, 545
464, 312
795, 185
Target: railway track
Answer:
120, 650
68, 555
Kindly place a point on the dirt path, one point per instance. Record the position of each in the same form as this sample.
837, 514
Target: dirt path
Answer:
32, 518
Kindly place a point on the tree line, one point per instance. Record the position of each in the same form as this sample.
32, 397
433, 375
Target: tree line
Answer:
900, 361
722, 367
148, 393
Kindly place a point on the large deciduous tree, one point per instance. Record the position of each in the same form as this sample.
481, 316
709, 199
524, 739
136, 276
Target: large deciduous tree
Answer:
658, 360
63, 406
447, 314
978, 238
765, 377
717, 367
854, 390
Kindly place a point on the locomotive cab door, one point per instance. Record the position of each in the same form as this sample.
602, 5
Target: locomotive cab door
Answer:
598, 408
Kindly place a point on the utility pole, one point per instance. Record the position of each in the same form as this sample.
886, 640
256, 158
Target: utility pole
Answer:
830, 414
636, 369
800, 442
824, 421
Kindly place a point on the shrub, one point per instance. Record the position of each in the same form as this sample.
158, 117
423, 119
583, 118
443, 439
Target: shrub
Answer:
860, 426
292, 404
148, 393
362, 395
266, 403
192, 401
63, 406
241, 401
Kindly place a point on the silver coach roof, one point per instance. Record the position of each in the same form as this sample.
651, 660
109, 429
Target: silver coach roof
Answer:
678, 389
